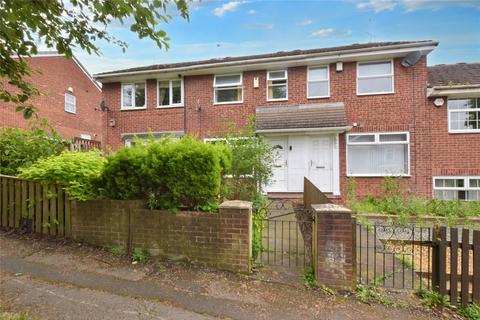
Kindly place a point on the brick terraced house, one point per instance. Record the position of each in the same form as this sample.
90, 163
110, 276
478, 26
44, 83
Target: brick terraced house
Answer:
69, 99
360, 110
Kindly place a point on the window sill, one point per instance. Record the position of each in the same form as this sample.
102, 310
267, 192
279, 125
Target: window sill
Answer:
378, 175
463, 131
319, 97
232, 102
375, 93
71, 112
171, 106
131, 109
275, 100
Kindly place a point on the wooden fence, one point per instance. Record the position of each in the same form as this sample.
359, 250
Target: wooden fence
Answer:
456, 264
33, 207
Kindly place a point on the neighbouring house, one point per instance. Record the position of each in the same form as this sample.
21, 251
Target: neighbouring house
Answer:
70, 99
454, 105
360, 111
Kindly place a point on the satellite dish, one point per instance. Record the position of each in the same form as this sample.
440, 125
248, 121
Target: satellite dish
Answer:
411, 59
103, 106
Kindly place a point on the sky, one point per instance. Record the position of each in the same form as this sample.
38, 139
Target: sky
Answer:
234, 28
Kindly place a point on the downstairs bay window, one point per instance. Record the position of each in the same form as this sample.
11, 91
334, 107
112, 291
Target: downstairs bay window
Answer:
378, 154
456, 188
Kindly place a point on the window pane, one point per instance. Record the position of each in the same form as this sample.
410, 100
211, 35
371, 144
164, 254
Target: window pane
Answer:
127, 95
139, 94
374, 68
473, 195
277, 92
228, 95
445, 194
361, 138
227, 80
318, 89
462, 104
474, 183
176, 92
315, 74
378, 159
69, 103
277, 74
439, 183
375, 85
401, 137
163, 93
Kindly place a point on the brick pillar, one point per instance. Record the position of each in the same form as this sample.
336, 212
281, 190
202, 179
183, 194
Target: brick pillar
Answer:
235, 236
335, 246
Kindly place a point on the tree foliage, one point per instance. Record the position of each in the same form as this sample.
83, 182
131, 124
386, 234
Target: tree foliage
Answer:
75, 171
21, 148
67, 25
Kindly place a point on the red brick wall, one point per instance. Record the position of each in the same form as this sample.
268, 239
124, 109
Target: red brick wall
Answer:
57, 74
452, 153
405, 110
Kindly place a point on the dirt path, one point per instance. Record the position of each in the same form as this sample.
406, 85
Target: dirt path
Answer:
55, 279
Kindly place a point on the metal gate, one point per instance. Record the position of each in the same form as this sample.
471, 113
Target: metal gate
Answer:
285, 232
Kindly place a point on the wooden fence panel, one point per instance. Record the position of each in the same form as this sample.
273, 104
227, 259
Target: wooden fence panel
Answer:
45, 208
476, 267
454, 266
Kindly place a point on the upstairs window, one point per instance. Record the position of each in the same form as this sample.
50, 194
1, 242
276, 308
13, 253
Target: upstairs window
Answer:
374, 77
457, 188
277, 85
70, 103
317, 82
133, 95
464, 115
228, 89
378, 154
170, 93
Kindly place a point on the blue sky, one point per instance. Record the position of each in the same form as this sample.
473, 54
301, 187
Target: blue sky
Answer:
232, 28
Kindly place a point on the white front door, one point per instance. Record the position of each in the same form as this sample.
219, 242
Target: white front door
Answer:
297, 165
302, 156
321, 162
279, 179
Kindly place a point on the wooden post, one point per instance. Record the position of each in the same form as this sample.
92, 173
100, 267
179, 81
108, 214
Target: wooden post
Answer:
454, 266
476, 266
442, 257
435, 258
465, 257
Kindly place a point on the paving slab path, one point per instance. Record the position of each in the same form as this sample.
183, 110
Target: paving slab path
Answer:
58, 279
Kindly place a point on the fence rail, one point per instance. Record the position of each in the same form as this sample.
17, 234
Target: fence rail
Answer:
33, 207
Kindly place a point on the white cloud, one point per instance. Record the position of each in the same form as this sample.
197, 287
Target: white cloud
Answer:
259, 26
227, 7
412, 5
377, 5
328, 32
251, 11
305, 22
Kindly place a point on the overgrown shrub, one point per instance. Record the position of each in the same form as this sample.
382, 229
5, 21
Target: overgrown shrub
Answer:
75, 171
21, 148
170, 174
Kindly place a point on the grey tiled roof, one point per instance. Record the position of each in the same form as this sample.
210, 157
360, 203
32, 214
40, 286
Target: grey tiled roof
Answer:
325, 115
454, 74
267, 55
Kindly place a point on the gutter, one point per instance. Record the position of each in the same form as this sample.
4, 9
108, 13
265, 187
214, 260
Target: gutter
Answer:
441, 91
327, 129
337, 55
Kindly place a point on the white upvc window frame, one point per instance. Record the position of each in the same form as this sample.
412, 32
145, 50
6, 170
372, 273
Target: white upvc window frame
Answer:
377, 142
277, 85
68, 94
392, 74
450, 111
133, 107
238, 85
170, 91
326, 80
466, 184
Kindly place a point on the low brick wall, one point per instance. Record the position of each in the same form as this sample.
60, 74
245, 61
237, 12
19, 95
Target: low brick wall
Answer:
221, 240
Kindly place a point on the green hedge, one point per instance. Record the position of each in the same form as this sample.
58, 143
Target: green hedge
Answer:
169, 173
75, 171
